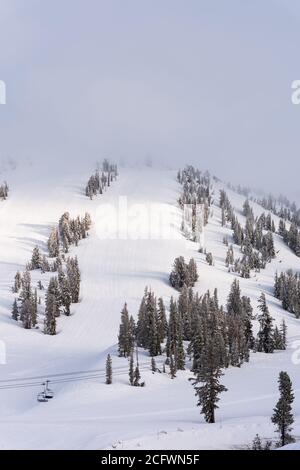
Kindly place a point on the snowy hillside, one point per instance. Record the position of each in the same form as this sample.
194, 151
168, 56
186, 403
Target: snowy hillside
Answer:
86, 413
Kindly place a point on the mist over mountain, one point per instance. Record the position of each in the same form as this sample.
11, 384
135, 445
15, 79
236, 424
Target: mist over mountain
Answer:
206, 82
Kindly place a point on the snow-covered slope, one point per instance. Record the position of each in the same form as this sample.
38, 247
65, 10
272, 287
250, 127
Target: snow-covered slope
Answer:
88, 414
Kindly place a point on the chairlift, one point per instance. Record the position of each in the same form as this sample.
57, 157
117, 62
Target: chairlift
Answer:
41, 397
48, 392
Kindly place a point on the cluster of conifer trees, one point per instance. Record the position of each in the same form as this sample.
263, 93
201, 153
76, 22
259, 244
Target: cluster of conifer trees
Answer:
196, 186
40, 261
62, 291
287, 289
202, 333
288, 211
291, 236
27, 311
269, 337
64, 288
183, 273
195, 199
257, 247
4, 190
98, 183
68, 232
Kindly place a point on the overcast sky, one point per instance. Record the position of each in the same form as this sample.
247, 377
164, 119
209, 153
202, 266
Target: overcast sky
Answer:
200, 81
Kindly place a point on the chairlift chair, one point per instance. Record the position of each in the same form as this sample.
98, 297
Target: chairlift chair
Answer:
48, 392
41, 397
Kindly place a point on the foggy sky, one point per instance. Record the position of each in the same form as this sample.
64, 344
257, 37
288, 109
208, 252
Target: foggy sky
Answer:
200, 81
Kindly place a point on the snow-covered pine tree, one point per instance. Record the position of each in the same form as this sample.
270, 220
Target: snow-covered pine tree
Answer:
248, 317
151, 341
207, 381
108, 370
179, 275
209, 259
266, 331
150, 325
277, 339
73, 275
173, 328
17, 283
26, 286
283, 333
36, 258
246, 208
53, 243
185, 307
192, 270
237, 325
281, 228
141, 328
125, 334
283, 416
65, 296
28, 309
45, 265
256, 443
183, 274
50, 314
136, 376
131, 369
53, 289
28, 313
87, 221
162, 324
229, 256
287, 289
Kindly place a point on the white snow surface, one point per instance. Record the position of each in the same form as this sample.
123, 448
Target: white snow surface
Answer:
90, 414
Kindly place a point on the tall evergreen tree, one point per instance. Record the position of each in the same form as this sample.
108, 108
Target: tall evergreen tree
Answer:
65, 295
131, 369
18, 282
266, 331
50, 314
36, 259
192, 269
53, 243
173, 329
73, 274
136, 376
283, 332
238, 325
162, 324
207, 381
283, 416
125, 334
108, 370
